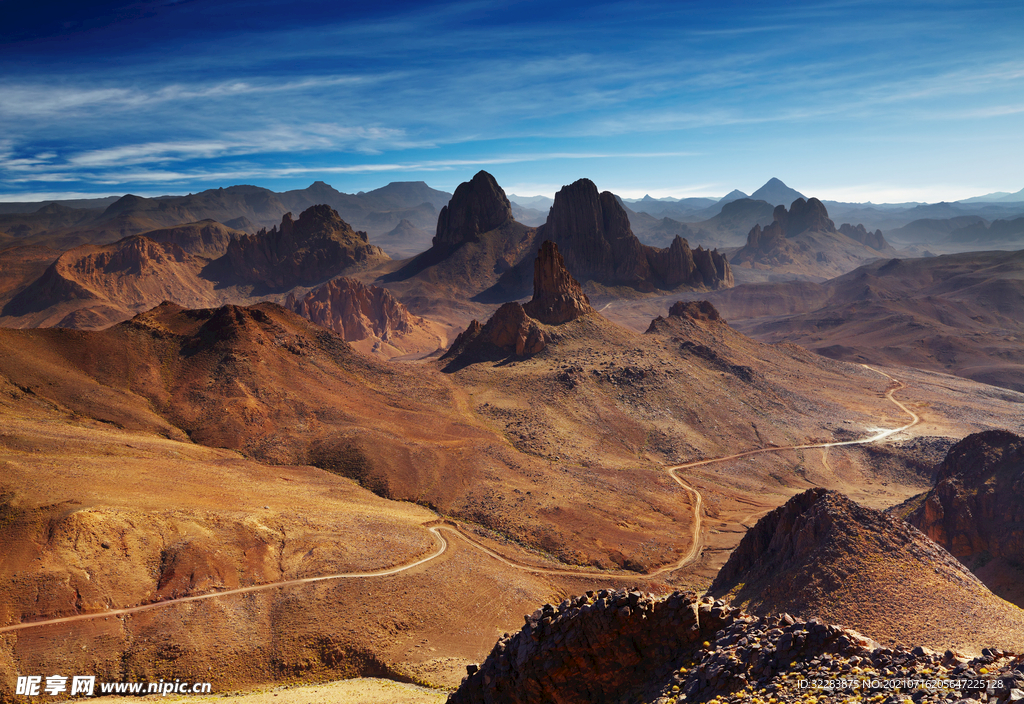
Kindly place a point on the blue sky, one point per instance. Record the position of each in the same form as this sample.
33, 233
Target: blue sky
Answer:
842, 100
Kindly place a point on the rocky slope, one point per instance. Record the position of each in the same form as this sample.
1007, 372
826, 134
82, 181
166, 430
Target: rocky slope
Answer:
208, 238
803, 242
300, 252
592, 231
961, 314
625, 645
94, 286
823, 556
368, 316
976, 509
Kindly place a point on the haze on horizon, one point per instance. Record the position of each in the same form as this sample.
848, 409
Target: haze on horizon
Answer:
850, 101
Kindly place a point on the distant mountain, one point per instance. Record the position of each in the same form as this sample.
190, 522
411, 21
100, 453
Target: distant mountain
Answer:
529, 216
677, 208
243, 207
78, 204
534, 202
804, 242
963, 231
776, 193
960, 314
998, 197
733, 195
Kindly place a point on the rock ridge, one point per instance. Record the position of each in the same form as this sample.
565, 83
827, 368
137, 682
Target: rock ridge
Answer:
303, 252
625, 645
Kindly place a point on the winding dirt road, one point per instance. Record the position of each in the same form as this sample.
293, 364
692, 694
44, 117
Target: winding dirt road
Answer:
435, 527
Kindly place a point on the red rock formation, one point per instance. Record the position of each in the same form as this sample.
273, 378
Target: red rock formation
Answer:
317, 246
354, 311
557, 296
476, 207
557, 299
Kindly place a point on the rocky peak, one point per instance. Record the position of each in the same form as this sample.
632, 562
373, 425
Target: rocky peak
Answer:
557, 296
303, 252
874, 240
592, 230
477, 206
804, 215
593, 233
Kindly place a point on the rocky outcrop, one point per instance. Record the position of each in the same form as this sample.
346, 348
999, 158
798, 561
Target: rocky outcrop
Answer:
303, 252
593, 233
477, 206
610, 646
874, 240
557, 296
804, 215
976, 509
767, 246
695, 310
514, 328
353, 310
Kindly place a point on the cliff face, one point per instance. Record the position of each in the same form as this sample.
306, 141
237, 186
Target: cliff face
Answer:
976, 509
477, 206
300, 252
593, 233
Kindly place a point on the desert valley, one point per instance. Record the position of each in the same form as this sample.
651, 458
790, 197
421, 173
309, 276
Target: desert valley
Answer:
580, 449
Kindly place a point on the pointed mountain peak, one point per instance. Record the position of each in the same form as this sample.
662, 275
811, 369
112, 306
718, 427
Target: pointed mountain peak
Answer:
776, 193
735, 194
